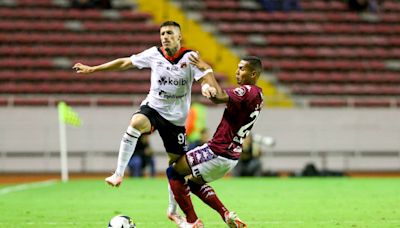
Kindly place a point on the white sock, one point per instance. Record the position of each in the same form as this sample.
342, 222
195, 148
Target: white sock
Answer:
126, 149
172, 204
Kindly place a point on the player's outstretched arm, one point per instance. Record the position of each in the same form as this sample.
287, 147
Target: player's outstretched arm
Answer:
209, 85
117, 64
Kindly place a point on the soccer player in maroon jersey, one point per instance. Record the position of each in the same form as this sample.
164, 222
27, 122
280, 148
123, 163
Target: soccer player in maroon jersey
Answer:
218, 156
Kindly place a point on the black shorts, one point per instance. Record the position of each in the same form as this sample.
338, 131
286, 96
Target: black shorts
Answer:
173, 137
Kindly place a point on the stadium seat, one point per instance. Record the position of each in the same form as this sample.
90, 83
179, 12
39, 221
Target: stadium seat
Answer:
328, 102
322, 50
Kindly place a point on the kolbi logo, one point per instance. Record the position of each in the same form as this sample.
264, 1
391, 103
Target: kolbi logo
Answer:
171, 81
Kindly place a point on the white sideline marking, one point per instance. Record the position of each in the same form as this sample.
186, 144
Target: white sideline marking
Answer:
22, 187
215, 223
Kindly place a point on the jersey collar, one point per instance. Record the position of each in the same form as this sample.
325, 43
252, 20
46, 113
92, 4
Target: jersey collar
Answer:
175, 58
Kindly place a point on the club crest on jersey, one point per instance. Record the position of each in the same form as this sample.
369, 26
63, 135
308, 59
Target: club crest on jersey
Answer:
239, 91
183, 65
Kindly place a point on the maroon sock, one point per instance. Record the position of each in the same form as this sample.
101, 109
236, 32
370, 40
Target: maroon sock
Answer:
207, 194
182, 196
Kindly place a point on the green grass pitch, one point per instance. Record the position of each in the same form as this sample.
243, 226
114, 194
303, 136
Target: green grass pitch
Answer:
261, 202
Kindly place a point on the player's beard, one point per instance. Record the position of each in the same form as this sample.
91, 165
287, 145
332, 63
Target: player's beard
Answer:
171, 51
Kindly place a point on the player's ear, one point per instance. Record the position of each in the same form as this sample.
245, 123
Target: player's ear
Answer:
254, 74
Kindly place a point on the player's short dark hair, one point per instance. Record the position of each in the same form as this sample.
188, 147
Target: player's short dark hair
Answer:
254, 63
170, 23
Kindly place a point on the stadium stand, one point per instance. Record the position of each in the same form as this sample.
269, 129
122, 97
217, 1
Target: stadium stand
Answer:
41, 40
323, 54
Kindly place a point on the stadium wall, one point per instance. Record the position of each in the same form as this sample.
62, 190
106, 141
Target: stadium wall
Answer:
339, 139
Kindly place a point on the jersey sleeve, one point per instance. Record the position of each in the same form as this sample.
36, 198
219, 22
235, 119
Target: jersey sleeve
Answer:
143, 59
197, 74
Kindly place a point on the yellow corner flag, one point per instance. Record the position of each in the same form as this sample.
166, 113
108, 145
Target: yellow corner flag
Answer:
68, 115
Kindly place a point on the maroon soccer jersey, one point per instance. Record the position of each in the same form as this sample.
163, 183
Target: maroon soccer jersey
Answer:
241, 112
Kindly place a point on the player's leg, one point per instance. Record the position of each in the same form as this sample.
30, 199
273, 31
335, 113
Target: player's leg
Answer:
207, 167
181, 194
174, 140
208, 195
139, 124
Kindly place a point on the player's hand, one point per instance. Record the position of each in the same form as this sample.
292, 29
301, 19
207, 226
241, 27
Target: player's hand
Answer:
208, 91
198, 62
82, 69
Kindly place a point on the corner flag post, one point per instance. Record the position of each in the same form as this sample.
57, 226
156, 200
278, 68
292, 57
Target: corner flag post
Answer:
66, 115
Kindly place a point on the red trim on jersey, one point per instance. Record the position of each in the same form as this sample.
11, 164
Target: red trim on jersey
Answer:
177, 55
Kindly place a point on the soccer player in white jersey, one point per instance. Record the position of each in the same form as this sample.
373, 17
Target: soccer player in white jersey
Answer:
166, 106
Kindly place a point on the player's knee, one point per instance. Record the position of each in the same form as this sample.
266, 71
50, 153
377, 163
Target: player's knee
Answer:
172, 174
141, 123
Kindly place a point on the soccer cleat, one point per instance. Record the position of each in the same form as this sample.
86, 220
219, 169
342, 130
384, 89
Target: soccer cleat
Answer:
176, 218
114, 180
233, 221
197, 224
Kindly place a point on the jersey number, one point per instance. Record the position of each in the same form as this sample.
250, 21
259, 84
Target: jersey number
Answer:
245, 130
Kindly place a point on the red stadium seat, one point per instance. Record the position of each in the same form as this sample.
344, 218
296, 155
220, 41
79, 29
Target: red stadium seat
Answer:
328, 102
372, 103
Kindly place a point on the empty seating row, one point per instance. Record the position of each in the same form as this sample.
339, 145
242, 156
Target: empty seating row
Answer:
337, 77
38, 3
82, 51
59, 75
76, 101
21, 63
267, 17
345, 90
82, 100
107, 26
308, 28
79, 38
45, 63
325, 52
222, 5
388, 5
138, 76
72, 14
340, 102
329, 65
74, 88
79, 88
376, 40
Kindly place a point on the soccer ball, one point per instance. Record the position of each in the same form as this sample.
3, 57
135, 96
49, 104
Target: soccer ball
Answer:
121, 221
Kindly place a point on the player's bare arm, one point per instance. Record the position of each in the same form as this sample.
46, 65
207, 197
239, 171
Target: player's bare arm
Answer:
210, 86
117, 64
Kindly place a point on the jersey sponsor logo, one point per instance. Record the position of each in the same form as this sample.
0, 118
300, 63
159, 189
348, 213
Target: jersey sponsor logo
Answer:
166, 95
171, 81
239, 91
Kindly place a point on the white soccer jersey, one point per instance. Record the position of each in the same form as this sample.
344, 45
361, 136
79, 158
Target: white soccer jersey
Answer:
171, 82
